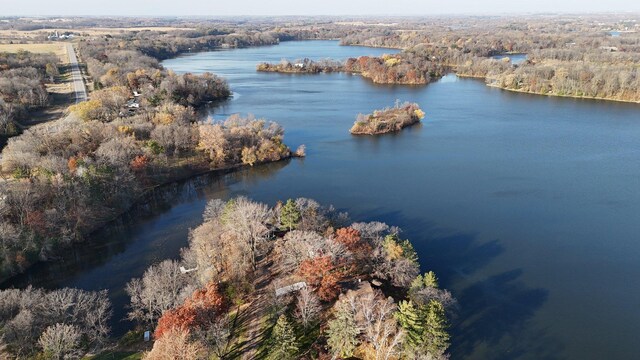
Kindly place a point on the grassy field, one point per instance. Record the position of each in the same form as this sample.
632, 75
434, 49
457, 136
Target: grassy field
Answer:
57, 48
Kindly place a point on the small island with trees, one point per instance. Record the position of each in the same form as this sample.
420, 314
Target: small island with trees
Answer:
390, 119
304, 66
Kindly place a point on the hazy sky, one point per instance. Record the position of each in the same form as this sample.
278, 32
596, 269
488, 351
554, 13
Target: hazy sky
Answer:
306, 7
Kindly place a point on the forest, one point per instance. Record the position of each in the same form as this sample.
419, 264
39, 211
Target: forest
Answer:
296, 281
22, 87
403, 68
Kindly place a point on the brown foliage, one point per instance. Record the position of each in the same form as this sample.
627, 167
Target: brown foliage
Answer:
176, 345
197, 311
350, 237
324, 275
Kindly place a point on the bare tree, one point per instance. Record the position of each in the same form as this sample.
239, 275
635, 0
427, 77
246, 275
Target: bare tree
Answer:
176, 344
218, 336
162, 287
307, 307
248, 220
60, 341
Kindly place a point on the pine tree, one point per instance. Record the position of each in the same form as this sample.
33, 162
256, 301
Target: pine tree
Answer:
284, 344
342, 333
436, 324
411, 320
430, 280
289, 215
417, 284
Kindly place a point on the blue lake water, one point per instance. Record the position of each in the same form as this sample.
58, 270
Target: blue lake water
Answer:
515, 59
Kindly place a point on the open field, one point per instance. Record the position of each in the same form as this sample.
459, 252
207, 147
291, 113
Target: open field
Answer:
57, 48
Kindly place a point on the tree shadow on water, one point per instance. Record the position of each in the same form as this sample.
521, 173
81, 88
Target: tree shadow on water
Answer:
494, 321
494, 318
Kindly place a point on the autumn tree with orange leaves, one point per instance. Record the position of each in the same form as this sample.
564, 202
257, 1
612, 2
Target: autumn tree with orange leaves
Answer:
202, 308
324, 275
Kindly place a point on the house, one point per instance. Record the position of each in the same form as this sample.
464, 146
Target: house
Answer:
132, 104
300, 65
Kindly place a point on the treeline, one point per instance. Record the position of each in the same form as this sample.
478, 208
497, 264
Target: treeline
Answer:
590, 80
387, 120
22, 87
566, 57
160, 45
299, 281
303, 66
404, 68
59, 324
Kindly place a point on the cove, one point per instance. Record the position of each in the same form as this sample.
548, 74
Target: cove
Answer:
527, 207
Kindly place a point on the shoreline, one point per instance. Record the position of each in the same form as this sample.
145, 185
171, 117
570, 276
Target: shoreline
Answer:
140, 200
564, 96
476, 77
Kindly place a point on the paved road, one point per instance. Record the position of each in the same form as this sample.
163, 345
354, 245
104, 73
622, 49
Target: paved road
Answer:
76, 76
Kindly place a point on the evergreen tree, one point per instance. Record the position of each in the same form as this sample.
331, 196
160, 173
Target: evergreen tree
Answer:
417, 284
430, 280
411, 320
436, 339
289, 215
283, 344
342, 333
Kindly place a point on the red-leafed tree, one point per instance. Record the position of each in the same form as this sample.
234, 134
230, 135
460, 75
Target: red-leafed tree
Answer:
139, 163
324, 275
349, 237
203, 307
360, 249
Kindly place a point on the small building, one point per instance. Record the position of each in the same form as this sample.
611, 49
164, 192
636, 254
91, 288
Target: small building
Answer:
291, 288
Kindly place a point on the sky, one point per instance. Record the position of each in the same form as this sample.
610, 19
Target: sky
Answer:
307, 7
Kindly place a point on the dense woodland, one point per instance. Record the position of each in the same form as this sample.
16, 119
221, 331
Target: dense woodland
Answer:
403, 68
58, 324
22, 87
228, 303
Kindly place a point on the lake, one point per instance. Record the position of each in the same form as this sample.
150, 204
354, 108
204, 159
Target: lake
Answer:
515, 59
527, 207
